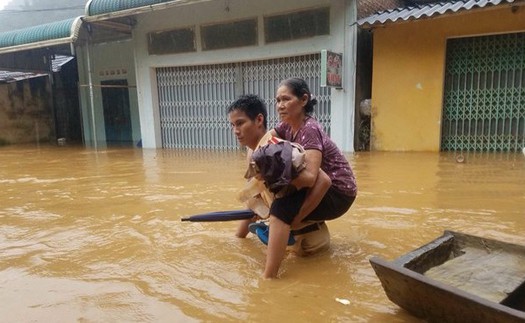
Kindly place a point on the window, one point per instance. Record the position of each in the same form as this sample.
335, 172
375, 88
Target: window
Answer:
171, 42
228, 35
297, 25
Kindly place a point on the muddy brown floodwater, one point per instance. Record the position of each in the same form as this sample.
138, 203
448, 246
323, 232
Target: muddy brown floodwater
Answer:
95, 235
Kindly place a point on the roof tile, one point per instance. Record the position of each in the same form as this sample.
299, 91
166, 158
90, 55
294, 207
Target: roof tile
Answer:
426, 11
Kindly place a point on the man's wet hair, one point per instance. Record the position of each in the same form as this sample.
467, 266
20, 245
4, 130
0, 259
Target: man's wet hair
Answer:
252, 106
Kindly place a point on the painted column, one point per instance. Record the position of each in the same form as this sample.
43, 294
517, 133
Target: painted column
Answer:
343, 100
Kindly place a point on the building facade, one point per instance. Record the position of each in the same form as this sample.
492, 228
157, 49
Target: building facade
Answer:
160, 73
183, 64
449, 77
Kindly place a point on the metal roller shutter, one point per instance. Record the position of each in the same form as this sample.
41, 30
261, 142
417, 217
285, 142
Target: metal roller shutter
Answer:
193, 99
484, 96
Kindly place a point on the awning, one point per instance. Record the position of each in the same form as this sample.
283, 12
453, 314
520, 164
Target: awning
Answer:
46, 35
98, 7
109, 9
56, 63
10, 77
427, 11
59, 61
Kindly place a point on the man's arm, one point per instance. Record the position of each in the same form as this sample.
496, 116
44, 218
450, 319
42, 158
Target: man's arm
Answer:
242, 229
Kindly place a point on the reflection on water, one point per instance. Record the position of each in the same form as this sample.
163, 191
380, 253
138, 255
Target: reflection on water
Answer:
95, 236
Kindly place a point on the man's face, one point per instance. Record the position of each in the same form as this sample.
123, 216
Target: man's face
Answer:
247, 131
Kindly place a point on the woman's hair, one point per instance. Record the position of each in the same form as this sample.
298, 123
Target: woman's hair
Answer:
299, 88
252, 105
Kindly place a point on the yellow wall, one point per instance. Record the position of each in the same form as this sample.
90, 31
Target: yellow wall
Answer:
408, 74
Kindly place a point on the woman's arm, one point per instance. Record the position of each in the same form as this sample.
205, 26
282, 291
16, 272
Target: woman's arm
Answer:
308, 176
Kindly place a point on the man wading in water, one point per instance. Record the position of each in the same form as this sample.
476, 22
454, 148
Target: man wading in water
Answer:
302, 210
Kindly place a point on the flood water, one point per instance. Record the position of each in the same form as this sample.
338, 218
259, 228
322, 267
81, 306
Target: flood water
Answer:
95, 235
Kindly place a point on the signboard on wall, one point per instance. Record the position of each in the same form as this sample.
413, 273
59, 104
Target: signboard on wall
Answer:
331, 69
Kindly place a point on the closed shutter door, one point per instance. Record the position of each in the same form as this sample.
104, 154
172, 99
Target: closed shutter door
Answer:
193, 100
263, 77
484, 97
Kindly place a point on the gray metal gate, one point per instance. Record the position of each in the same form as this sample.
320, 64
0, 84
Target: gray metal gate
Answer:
192, 103
193, 99
484, 99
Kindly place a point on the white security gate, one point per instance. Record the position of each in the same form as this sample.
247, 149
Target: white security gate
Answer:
263, 77
193, 100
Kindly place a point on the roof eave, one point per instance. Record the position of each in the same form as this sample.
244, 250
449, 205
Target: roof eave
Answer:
40, 44
75, 29
139, 10
366, 25
21, 78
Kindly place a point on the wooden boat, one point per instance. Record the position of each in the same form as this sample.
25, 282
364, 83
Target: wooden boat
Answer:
458, 278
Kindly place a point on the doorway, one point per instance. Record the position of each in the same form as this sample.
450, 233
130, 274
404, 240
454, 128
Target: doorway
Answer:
117, 116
